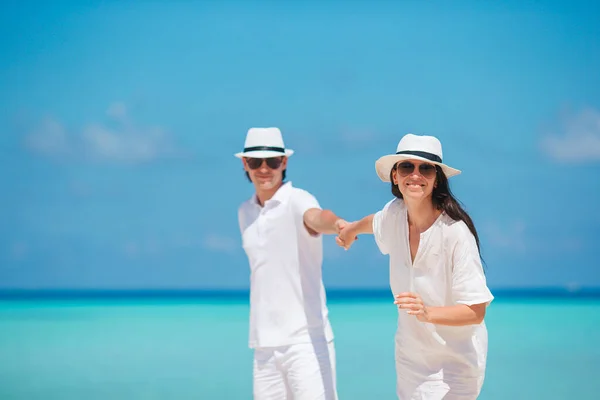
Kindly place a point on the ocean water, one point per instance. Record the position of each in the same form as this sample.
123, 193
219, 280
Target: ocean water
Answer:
197, 349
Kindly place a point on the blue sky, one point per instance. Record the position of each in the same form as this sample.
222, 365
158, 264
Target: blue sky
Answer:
119, 121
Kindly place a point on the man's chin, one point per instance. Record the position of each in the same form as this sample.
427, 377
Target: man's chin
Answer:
266, 185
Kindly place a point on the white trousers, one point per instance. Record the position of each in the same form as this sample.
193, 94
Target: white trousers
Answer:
303, 371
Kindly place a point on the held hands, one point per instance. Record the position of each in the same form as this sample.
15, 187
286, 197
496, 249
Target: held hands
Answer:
413, 304
340, 224
346, 235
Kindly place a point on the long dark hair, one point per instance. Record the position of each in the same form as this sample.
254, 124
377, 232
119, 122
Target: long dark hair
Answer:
444, 200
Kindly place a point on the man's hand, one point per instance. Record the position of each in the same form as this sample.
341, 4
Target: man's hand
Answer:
339, 225
347, 235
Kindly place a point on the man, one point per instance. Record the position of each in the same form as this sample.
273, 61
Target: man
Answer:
281, 227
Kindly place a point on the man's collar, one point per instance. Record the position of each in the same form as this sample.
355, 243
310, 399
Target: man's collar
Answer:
280, 196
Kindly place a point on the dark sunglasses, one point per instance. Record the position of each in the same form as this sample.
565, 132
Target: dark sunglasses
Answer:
272, 162
406, 168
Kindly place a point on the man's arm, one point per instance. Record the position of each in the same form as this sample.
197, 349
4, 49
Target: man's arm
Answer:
322, 221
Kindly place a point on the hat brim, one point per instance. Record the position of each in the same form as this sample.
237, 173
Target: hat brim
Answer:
384, 165
264, 154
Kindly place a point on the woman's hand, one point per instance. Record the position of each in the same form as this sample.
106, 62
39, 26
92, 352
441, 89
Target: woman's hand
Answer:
347, 235
413, 304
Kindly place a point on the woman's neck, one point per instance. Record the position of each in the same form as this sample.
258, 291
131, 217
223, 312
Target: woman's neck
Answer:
421, 215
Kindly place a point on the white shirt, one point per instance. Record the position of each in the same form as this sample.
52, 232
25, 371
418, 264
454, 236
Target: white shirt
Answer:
287, 296
446, 271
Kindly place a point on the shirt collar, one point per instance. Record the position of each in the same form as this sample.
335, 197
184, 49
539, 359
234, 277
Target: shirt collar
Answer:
280, 196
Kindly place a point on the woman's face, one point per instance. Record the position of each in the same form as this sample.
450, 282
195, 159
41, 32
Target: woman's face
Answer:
415, 178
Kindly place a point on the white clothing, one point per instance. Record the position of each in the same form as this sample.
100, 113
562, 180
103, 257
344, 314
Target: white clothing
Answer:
287, 296
435, 361
303, 371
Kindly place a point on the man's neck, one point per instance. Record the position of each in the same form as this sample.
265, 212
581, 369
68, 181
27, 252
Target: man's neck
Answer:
421, 214
265, 195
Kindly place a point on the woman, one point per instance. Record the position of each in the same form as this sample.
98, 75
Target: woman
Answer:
435, 274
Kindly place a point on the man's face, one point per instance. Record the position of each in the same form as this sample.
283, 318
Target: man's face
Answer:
265, 173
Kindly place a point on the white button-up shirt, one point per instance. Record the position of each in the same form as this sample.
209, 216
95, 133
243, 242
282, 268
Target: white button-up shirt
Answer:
287, 296
446, 271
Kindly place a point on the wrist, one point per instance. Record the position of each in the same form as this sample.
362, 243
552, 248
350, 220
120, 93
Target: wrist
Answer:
354, 228
427, 314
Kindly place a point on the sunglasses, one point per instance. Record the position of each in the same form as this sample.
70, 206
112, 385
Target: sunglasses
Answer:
406, 168
272, 162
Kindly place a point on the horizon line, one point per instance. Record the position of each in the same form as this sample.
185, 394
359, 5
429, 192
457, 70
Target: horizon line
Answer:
243, 293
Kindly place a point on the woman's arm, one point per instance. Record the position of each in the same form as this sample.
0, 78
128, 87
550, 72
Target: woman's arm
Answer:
457, 315
349, 233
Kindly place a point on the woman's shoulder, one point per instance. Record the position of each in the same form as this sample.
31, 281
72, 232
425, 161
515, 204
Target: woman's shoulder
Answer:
395, 205
454, 229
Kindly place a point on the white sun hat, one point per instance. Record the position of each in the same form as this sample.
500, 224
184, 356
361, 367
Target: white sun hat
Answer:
414, 147
264, 143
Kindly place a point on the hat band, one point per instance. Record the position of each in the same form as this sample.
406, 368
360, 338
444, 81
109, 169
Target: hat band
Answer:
423, 154
264, 148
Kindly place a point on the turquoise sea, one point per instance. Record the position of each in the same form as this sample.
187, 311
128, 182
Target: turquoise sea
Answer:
196, 348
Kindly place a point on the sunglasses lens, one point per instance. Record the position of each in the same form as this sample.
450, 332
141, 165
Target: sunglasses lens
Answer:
427, 170
255, 163
405, 168
273, 163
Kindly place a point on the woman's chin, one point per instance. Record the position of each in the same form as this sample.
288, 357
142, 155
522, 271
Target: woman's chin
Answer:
414, 194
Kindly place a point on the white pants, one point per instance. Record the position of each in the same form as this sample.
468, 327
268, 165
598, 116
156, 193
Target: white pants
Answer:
297, 372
